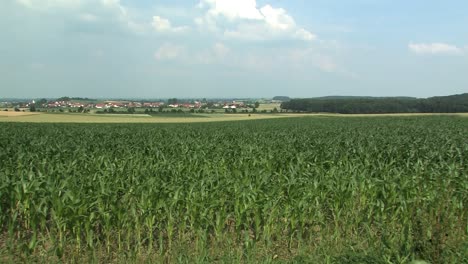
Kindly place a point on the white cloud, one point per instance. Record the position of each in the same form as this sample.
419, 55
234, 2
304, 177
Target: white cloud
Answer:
270, 60
170, 51
250, 32
122, 14
326, 64
46, 4
309, 57
277, 18
240, 19
220, 50
248, 22
87, 17
304, 35
164, 25
435, 49
87, 11
216, 54
238, 9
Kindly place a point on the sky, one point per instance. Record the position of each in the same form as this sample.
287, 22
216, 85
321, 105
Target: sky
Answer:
232, 48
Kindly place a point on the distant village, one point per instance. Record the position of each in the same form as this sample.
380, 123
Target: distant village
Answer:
83, 104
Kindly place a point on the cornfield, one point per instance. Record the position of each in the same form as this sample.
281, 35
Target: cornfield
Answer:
303, 190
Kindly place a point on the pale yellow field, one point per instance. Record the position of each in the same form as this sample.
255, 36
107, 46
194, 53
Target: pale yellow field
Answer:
269, 107
13, 113
93, 118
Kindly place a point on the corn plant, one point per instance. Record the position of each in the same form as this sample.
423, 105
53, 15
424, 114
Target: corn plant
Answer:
323, 190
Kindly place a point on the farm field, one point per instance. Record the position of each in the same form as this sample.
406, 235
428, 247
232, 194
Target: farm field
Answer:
313, 189
28, 117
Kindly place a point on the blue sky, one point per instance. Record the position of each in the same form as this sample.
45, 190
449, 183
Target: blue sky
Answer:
227, 48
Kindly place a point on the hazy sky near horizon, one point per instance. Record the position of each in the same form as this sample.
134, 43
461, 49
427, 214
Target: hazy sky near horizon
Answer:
232, 48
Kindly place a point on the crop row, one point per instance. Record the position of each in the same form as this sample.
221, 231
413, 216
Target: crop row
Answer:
379, 189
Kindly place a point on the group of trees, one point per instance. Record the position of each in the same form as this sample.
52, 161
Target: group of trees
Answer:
369, 105
66, 99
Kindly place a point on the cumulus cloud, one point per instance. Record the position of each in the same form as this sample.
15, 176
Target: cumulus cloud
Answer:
435, 49
247, 21
232, 10
264, 60
46, 4
277, 18
87, 17
169, 51
239, 19
218, 53
304, 35
122, 14
87, 11
220, 50
163, 25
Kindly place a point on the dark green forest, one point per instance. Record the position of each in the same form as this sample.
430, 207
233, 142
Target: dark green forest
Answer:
380, 105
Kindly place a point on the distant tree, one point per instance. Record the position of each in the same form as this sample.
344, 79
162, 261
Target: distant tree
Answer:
192, 110
160, 108
17, 109
131, 110
234, 110
42, 102
32, 108
81, 109
281, 98
257, 104
6, 110
65, 98
254, 110
379, 105
275, 110
172, 101
147, 111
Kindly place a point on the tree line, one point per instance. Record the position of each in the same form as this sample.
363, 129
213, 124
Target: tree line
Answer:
379, 105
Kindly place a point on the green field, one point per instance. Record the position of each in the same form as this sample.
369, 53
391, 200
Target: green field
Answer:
290, 190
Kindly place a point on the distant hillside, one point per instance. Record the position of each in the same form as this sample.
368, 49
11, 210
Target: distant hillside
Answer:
341, 97
281, 98
377, 105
